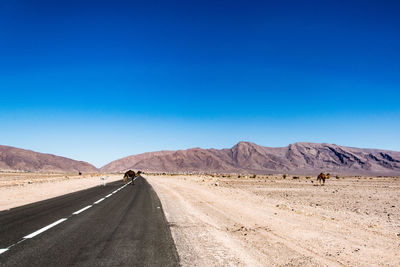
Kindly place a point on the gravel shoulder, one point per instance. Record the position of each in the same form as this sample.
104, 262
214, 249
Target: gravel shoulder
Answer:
225, 221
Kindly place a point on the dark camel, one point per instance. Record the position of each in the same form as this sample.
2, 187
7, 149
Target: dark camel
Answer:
129, 174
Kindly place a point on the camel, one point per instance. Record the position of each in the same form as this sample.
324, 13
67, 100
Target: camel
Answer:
321, 178
129, 174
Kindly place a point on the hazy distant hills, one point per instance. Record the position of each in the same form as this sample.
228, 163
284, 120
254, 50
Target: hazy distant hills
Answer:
245, 157
16, 159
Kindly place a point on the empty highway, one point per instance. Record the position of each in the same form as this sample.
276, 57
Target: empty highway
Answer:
114, 225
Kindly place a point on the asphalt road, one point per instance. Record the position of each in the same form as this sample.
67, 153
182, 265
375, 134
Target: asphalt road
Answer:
100, 226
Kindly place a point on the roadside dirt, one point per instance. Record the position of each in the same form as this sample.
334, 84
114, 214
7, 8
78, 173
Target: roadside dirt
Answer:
17, 189
270, 221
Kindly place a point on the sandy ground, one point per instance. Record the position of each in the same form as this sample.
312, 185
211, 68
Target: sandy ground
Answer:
270, 221
17, 189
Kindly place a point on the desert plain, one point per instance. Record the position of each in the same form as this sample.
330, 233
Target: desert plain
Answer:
263, 220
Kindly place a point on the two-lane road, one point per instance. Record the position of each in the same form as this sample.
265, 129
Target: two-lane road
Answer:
115, 225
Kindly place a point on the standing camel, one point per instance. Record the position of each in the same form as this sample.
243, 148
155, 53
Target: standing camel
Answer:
129, 174
321, 178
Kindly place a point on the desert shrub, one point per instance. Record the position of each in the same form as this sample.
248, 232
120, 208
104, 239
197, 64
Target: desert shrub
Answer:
284, 176
253, 176
337, 176
308, 177
296, 177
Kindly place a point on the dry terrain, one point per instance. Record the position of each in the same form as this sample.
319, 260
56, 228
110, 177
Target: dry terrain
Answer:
17, 189
271, 221
256, 221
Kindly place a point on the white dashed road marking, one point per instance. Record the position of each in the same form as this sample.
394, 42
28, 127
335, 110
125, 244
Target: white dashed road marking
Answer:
45, 228
98, 201
2, 250
82, 210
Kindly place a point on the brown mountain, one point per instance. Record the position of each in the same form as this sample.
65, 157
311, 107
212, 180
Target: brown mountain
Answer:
245, 157
16, 159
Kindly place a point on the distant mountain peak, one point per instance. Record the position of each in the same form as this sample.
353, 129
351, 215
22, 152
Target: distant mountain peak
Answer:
245, 143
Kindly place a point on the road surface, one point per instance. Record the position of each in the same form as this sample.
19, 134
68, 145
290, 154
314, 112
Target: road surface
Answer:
114, 225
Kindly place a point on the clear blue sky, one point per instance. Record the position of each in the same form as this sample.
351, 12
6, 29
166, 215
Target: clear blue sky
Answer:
99, 80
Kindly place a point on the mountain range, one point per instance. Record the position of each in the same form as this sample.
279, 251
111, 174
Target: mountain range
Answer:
16, 159
244, 157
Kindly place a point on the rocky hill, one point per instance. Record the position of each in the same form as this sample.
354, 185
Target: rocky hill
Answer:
16, 159
245, 157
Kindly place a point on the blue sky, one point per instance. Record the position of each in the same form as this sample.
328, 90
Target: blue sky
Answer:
99, 80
